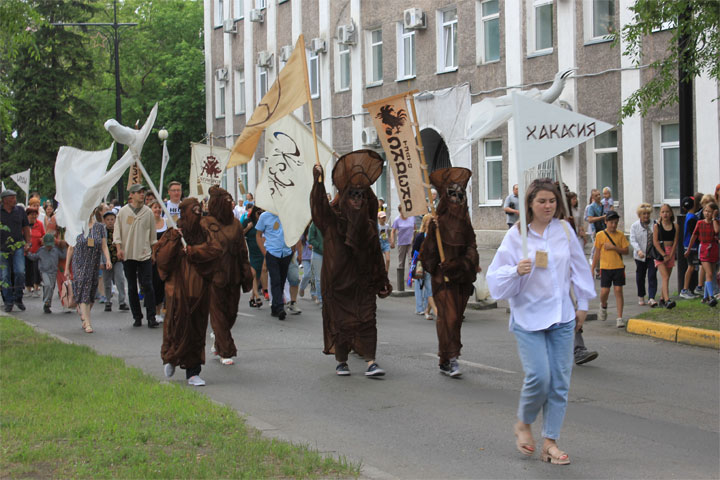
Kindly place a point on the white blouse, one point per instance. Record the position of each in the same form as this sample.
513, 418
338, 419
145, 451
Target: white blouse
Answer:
542, 297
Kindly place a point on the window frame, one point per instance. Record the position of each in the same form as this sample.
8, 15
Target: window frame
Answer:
662, 147
402, 35
219, 13
601, 150
261, 72
339, 61
240, 106
220, 98
370, 80
260, 4
316, 58
532, 30
238, 5
486, 161
589, 24
440, 40
480, 32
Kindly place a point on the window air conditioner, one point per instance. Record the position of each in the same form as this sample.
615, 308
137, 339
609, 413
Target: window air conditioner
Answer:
285, 53
369, 136
317, 45
346, 34
257, 15
413, 19
229, 26
264, 59
221, 74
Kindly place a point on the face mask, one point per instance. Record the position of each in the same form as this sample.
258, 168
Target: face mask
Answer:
456, 193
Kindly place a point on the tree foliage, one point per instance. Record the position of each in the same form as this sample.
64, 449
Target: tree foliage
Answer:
700, 54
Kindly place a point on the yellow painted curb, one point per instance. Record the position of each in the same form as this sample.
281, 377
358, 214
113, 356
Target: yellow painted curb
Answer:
660, 330
699, 336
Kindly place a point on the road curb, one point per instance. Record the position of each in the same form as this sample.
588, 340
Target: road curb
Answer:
699, 337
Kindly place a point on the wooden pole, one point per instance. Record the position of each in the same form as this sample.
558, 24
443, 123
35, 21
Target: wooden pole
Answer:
426, 174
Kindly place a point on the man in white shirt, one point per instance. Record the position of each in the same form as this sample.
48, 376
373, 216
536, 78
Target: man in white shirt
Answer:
173, 205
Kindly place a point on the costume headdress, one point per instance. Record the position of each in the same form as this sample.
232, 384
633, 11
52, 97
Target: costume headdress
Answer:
358, 169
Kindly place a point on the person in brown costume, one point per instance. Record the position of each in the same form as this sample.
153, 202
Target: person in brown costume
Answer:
452, 279
233, 271
353, 269
188, 273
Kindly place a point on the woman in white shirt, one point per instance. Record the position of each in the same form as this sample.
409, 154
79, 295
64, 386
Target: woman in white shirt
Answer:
543, 317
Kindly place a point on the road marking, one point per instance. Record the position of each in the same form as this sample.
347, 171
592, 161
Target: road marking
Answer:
473, 364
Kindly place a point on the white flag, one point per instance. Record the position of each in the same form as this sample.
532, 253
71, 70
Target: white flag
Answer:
165, 160
23, 181
3, 187
207, 164
287, 178
543, 131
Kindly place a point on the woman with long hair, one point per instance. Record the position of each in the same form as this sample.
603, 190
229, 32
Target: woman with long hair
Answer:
158, 284
37, 232
543, 317
84, 261
665, 239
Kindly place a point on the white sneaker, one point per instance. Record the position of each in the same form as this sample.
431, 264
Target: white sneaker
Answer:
602, 314
620, 323
169, 370
196, 381
226, 361
292, 309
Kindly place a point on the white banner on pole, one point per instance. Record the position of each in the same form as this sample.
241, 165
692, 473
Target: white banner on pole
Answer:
543, 131
287, 177
23, 181
207, 164
165, 161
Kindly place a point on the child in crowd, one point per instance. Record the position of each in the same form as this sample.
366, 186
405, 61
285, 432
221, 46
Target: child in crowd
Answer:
48, 257
665, 239
607, 201
706, 231
610, 246
694, 214
384, 234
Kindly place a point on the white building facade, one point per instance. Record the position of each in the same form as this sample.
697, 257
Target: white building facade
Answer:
456, 54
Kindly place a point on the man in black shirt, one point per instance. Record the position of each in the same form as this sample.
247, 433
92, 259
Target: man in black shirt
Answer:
14, 242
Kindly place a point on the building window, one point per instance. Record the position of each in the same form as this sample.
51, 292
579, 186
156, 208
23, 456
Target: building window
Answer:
603, 17
238, 9
374, 57
262, 83
493, 170
314, 74
343, 67
670, 154
540, 31
219, 99
447, 40
260, 4
606, 164
489, 34
239, 92
242, 172
405, 52
219, 13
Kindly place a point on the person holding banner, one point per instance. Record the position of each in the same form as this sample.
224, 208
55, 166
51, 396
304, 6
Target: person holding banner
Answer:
542, 315
188, 273
452, 279
232, 273
353, 269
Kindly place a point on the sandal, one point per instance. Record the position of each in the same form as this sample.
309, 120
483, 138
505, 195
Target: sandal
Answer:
88, 328
526, 444
252, 303
557, 458
641, 302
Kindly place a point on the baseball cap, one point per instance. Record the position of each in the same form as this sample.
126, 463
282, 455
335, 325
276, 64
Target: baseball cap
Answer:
109, 212
137, 187
48, 239
688, 203
612, 215
382, 214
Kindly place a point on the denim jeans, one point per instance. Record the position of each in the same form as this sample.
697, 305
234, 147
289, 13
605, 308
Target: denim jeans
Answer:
307, 277
547, 359
277, 268
422, 293
133, 269
17, 260
316, 262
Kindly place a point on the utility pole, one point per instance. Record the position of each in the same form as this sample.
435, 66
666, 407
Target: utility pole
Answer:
114, 30
686, 127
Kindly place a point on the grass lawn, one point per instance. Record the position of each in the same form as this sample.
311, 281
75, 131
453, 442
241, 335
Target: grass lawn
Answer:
67, 412
689, 313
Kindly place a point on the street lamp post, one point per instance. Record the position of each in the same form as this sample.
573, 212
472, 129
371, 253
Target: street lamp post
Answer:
115, 27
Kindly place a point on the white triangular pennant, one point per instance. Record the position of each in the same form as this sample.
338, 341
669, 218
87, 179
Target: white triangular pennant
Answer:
23, 181
543, 130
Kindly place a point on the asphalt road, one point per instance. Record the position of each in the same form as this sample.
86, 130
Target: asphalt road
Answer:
644, 409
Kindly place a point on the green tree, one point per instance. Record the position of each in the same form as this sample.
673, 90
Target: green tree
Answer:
702, 55
46, 110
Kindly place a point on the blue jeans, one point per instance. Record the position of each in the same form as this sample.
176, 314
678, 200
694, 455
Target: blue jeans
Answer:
277, 268
316, 263
547, 358
17, 260
307, 277
422, 293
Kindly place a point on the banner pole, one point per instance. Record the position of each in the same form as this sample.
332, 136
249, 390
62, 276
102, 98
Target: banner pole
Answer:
426, 174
